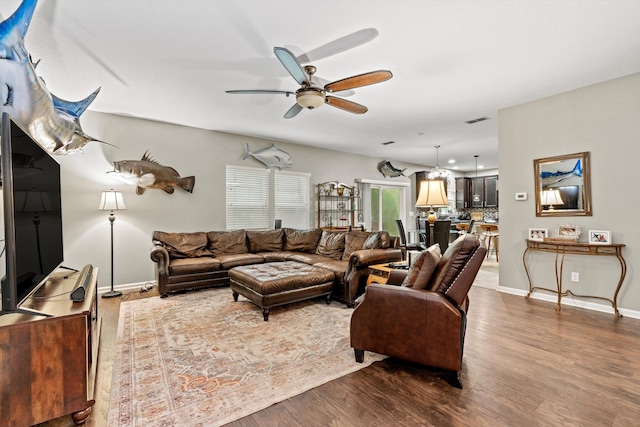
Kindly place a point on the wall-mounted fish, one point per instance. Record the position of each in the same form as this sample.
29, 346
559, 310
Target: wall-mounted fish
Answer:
385, 168
51, 121
147, 173
550, 178
270, 157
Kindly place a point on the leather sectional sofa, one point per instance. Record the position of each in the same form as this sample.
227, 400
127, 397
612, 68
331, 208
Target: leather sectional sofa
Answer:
186, 261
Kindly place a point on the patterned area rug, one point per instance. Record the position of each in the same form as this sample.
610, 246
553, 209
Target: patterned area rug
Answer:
202, 359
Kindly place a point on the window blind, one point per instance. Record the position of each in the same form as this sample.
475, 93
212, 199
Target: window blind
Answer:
292, 199
247, 198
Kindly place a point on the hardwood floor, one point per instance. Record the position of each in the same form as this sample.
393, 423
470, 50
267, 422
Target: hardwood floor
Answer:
525, 364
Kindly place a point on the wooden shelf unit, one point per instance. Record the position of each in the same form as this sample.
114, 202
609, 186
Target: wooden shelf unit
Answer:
48, 364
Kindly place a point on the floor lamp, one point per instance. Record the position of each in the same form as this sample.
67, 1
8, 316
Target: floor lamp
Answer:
112, 201
432, 194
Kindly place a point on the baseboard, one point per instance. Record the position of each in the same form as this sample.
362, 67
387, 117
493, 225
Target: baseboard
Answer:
126, 286
571, 301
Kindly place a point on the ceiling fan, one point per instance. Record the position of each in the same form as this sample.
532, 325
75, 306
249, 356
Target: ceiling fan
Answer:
312, 96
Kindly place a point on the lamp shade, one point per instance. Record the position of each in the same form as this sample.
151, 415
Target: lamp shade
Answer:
551, 197
33, 201
431, 194
112, 201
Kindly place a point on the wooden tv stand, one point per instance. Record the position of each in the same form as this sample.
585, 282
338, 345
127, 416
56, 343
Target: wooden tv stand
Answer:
48, 364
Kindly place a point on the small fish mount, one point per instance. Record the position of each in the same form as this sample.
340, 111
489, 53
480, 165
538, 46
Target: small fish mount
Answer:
270, 157
387, 170
148, 173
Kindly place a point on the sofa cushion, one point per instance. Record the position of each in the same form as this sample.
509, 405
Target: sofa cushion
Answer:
203, 264
423, 267
234, 260
227, 242
265, 240
354, 241
301, 240
339, 268
183, 245
331, 244
453, 261
305, 258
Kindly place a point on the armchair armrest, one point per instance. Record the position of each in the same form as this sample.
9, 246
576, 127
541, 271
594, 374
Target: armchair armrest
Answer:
160, 256
396, 276
366, 257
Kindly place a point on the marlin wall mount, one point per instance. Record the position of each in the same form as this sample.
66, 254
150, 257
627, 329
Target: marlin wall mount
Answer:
53, 122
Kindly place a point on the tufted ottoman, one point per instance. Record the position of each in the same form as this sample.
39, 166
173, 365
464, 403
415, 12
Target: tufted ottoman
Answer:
277, 283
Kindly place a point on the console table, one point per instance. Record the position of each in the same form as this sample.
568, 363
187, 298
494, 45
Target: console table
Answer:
560, 249
49, 363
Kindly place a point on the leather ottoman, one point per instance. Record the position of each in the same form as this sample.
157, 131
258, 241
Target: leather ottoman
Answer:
277, 283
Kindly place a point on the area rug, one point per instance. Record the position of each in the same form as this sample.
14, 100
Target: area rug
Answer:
202, 359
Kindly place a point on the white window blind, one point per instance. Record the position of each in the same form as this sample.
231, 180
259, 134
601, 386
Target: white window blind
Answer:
292, 199
247, 198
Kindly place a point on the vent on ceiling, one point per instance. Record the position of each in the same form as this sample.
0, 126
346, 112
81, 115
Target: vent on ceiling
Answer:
480, 119
388, 142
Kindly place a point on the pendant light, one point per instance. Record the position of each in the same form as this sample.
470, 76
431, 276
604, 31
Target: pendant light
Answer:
437, 172
476, 197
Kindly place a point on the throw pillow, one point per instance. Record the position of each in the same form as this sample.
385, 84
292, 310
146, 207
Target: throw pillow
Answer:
372, 242
428, 261
331, 244
228, 242
353, 241
301, 240
183, 245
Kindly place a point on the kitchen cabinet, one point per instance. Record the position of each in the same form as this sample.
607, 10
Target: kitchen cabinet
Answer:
485, 187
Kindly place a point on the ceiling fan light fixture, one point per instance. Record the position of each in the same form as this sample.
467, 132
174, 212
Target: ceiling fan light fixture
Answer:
310, 98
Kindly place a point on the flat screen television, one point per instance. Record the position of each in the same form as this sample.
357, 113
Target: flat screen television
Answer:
37, 218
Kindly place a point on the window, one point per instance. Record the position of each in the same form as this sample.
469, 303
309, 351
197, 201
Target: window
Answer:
247, 198
292, 199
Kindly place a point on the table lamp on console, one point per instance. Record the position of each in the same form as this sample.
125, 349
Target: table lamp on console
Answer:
432, 194
112, 201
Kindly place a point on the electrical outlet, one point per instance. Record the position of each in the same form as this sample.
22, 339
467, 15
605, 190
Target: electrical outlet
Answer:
575, 276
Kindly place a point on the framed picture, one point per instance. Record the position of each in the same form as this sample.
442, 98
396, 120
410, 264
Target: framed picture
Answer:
599, 237
538, 234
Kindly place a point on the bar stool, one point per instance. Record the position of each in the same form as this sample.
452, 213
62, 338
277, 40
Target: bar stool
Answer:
490, 232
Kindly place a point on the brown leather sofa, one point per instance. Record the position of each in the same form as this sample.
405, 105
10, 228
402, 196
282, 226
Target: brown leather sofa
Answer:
425, 326
186, 261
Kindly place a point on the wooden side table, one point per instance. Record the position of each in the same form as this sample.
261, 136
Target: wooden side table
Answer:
379, 273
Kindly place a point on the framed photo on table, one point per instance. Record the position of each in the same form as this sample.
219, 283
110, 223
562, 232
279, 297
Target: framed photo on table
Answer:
538, 234
599, 237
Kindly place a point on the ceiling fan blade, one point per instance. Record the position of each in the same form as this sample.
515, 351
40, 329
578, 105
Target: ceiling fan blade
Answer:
359, 81
293, 111
319, 81
291, 64
260, 91
345, 105
339, 45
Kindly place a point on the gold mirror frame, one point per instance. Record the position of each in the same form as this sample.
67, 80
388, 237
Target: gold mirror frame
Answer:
561, 170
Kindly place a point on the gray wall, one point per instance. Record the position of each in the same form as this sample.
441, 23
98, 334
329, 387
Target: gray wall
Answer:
191, 152
603, 119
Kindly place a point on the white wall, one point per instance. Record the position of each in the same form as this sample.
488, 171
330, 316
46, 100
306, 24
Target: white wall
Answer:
603, 119
191, 152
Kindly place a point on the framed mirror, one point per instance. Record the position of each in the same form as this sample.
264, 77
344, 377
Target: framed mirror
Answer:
563, 185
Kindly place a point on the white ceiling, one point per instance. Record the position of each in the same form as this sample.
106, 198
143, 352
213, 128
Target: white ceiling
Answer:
172, 60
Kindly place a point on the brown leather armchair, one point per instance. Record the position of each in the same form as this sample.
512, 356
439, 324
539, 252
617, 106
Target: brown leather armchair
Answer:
425, 326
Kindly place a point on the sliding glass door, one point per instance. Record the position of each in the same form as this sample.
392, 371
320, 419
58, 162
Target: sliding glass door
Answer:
387, 205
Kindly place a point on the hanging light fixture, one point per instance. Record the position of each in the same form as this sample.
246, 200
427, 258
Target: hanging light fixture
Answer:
476, 197
437, 172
